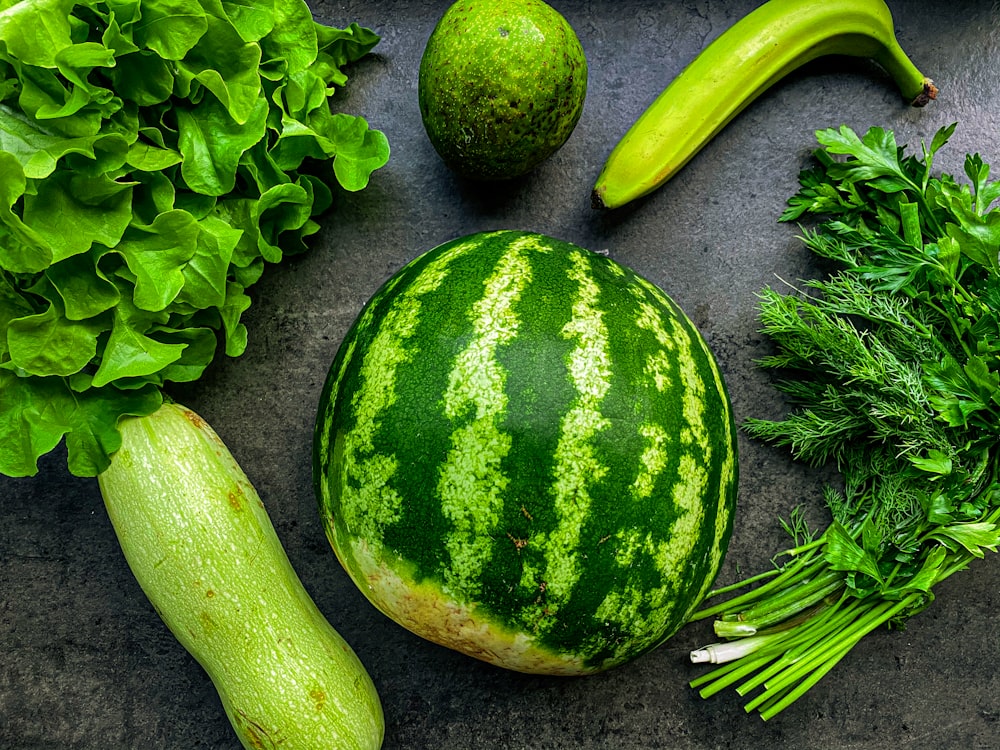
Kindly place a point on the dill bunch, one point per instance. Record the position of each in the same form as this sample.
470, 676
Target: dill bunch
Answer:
891, 367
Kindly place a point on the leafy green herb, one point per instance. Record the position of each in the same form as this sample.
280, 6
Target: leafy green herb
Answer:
154, 155
891, 365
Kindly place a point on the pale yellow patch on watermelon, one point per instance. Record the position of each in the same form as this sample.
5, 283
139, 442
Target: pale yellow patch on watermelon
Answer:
657, 369
689, 498
651, 318
690, 493
428, 610
694, 402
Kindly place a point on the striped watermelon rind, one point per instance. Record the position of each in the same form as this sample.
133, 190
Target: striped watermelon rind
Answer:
526, 452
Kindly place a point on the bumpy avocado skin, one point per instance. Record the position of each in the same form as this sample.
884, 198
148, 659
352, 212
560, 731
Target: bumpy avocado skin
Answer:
501, 86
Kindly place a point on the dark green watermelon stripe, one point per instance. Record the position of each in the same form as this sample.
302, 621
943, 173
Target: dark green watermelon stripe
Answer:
472, 484
578, 466
717, 439
330, 403
666, 464
345, 367
376, 502
539, 393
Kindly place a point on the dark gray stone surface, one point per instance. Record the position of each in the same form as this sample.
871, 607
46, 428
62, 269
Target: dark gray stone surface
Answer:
85, 663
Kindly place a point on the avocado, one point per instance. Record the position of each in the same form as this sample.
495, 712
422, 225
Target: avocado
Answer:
501, 86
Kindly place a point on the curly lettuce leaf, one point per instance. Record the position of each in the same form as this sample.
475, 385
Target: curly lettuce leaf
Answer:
155, 155
39, 414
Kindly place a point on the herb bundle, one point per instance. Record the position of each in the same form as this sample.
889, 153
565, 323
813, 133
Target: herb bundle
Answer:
891, 365
154, 155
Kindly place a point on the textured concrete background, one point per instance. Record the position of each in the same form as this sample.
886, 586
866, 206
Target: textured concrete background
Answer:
85, 663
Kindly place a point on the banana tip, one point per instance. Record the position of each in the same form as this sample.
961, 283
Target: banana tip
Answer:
597, 199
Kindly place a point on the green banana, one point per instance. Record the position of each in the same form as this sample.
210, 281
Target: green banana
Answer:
736, 68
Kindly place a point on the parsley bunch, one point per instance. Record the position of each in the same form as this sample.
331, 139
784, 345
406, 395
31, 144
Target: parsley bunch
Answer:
891, 365
154, 155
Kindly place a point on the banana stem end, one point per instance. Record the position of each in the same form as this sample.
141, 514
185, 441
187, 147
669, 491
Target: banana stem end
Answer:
927, 95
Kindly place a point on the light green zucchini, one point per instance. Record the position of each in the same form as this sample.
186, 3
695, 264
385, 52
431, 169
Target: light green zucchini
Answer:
199, 541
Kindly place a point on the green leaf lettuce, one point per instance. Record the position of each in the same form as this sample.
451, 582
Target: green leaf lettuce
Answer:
154, 156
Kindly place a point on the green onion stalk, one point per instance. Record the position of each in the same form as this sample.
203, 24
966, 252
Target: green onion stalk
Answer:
798, 621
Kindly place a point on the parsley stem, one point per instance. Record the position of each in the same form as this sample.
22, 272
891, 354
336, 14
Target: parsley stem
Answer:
789, 602
792, 571
800, 645
802, 548
802, 556
827, 658
776, 706
741, 585
793, 552
778, 648
730, 673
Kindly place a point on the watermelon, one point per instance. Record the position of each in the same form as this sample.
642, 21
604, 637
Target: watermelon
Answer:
526, 452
